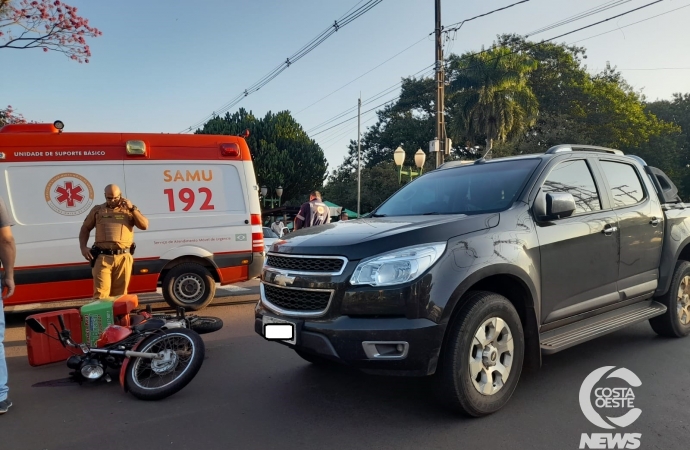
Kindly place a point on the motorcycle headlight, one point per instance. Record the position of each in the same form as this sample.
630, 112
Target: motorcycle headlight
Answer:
399, 266
92, 370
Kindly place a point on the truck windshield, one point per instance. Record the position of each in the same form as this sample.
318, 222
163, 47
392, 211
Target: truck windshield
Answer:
470, 189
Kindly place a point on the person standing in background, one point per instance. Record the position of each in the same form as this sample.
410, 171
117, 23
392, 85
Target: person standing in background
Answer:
313, 213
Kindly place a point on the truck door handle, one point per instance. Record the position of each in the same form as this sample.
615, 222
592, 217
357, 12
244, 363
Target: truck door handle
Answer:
609, 230
654, 221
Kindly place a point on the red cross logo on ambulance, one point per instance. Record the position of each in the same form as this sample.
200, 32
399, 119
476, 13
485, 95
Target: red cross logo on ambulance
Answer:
69, 194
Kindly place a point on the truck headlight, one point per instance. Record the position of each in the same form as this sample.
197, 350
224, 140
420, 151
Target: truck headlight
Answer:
399, 266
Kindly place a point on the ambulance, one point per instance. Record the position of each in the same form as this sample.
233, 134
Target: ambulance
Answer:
199, 193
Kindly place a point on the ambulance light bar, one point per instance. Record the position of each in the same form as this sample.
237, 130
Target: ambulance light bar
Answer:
231, 150
137, 148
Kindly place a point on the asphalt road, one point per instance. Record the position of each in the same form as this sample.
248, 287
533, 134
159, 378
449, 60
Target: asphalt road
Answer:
255, 394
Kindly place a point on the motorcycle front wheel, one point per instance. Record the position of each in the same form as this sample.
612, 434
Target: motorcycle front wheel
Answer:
205, 324
154, 379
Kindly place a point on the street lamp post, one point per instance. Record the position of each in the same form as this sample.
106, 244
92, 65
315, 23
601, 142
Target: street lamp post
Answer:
399, 158
264, 192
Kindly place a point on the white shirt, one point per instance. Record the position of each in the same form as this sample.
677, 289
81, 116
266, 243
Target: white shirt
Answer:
277, 228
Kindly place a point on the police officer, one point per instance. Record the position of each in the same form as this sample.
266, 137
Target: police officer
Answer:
313, 213
111, 255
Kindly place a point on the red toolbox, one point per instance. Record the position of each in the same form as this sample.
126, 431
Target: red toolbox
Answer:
123, 306
44, 350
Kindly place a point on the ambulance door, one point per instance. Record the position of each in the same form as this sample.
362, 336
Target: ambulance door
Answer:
194, 207
49, 203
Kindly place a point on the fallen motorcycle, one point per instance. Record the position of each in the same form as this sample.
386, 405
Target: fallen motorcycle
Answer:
156, 357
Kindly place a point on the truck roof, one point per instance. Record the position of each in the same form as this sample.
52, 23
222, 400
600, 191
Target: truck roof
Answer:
551, 152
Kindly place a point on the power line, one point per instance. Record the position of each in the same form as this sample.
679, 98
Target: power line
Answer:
351, 130
339, 133
406, 49
346, 112
365, 73
371, 99
631, 24
349, 10
526, 46
460, 24
606, 20
397, 54
351, 118
302, 52
582, 15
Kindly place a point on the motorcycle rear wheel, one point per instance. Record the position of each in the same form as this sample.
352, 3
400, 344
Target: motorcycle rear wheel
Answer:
149, 379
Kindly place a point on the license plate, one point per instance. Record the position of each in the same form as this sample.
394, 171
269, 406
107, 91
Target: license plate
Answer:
279, 330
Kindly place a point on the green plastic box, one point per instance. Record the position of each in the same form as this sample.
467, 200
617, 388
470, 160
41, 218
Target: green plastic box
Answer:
95, 317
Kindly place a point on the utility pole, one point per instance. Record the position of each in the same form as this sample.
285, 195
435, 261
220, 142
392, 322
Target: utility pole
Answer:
440, 82
359, 154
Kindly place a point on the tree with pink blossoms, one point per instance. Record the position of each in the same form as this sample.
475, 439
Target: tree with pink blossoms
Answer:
8, 117
47, 24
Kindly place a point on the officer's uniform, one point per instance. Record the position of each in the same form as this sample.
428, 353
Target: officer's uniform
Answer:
112, 249
313, 213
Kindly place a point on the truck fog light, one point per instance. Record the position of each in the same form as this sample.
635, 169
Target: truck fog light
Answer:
386, 349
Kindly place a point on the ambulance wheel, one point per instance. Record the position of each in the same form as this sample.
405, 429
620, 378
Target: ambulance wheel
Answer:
189, 285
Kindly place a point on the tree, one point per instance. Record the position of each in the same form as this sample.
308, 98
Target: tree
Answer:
408, 123
675, 111
47, 24
671, 152
378, 183
491, 96
282, 152
8, 117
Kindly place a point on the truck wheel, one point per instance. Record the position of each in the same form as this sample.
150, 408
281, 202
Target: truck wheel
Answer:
675, 322
189, 285
482, 360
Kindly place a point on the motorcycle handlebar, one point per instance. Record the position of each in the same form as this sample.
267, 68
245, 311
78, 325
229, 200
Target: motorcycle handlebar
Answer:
62, 322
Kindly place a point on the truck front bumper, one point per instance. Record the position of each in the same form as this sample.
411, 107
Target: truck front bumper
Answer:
389, 346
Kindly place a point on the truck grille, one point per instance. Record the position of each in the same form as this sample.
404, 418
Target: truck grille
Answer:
297, 299
314, 265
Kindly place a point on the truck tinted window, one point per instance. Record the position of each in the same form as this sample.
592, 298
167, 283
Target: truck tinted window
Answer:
624, 183
574, 178
469, 189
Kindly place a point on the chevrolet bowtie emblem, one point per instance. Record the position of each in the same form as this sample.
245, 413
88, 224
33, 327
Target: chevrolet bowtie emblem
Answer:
283, 280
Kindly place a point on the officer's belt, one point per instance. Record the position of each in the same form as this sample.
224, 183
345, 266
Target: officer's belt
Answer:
103, 251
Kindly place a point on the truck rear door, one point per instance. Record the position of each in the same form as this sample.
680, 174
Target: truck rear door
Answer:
641, 223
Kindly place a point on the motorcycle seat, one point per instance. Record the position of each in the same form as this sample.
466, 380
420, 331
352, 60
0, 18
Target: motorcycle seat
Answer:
150, 324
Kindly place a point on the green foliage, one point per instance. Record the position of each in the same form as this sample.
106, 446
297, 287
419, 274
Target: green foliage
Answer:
282, 152
671, 152
530, 97
407, 123
489, 94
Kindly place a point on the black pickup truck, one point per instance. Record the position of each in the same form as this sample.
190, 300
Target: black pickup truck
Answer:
473, 270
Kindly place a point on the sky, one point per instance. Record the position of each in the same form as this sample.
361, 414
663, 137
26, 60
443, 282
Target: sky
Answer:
164, 65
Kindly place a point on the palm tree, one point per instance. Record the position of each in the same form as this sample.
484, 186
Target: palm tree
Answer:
490, 95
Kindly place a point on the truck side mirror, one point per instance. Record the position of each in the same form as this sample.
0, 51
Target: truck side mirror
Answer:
554, 205
559, 204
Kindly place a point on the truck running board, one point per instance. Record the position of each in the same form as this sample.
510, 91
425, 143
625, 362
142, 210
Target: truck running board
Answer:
575, 333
